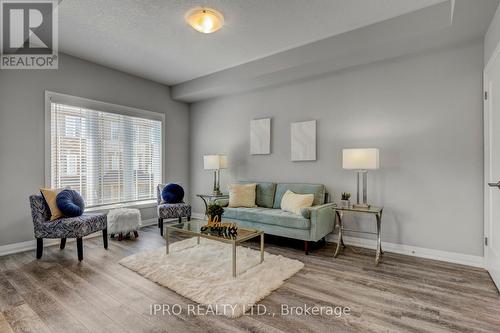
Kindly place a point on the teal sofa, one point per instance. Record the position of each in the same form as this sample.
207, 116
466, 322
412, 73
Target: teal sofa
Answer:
312, 224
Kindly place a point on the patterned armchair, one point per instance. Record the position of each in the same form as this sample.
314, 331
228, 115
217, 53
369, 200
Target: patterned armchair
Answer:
68, 227
170, 211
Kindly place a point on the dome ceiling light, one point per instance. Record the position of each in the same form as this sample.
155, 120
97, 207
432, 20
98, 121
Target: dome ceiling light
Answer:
205, 20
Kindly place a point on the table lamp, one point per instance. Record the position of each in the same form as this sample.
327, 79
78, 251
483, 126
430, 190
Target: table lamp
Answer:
215, 162
361, 160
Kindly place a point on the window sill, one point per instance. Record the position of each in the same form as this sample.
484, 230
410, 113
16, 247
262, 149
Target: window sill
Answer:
138, 205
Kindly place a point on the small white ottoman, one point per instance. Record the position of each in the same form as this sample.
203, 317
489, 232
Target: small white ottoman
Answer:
122, 221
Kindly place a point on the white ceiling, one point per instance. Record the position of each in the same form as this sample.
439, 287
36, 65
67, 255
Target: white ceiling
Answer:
149, 38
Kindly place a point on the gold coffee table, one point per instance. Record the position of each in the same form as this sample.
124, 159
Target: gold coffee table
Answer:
193, 228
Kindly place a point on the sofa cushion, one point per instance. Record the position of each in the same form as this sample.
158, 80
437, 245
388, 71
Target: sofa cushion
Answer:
70, 203
264, 193
268, 216
317, 189
293, 202
242, 195
50, 197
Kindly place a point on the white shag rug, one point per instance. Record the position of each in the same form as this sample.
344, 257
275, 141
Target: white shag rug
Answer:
202, 273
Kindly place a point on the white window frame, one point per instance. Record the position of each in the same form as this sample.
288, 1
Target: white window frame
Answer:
55, 97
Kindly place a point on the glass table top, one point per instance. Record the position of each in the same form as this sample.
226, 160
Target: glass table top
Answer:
371, 209
223, 233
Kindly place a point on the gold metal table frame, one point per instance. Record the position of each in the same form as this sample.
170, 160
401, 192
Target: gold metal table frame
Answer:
192, 228
377, 211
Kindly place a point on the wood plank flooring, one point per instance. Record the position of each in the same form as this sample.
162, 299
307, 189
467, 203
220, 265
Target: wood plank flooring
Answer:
403, 294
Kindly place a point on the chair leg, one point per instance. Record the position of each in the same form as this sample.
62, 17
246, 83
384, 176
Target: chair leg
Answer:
79, 248
63, 243
180, 219
136, 234
105, 237
161, 226
306, 247
39, 247
189, 218
159, 222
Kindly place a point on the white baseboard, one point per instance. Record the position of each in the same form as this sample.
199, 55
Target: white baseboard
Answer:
31, 245
453, 257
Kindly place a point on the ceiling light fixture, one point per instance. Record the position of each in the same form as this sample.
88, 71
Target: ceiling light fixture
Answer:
205, 20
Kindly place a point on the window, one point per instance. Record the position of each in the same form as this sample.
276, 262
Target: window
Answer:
108, 157
71, 165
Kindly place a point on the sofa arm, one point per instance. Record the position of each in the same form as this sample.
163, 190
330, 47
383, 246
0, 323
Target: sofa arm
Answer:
322, 220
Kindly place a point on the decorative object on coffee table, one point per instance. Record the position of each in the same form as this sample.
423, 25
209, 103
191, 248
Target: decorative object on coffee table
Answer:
214, 226
216, 163
345, 201
214, 212
170, 210
377, 211
123, 221
361, 160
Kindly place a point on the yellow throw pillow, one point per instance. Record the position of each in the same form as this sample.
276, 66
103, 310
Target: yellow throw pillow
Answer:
242, 195
292, 202
50, 195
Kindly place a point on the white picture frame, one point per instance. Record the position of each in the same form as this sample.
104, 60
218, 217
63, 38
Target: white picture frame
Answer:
260, 136
303, 141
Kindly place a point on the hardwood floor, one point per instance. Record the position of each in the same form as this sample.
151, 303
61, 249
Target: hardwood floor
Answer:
403, 294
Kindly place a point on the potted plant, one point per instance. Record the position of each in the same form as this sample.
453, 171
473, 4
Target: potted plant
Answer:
214, 212
345, 201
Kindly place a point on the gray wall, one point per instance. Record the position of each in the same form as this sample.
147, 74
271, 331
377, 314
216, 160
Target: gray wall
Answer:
22, 129
424, 112
492, 37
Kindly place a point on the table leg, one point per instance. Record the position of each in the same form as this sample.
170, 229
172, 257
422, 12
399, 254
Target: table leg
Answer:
206, 204
261, 248
340, 241
381, 251
167, 236
234, 259
379, 243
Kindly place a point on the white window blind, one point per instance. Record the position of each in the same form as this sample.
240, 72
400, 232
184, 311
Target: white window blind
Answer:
107, 157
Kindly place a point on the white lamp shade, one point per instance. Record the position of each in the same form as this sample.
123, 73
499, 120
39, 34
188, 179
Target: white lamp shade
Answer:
360, 159
214, 162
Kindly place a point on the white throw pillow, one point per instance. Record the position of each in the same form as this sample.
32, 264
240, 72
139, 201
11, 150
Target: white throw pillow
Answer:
242, 195
293, 202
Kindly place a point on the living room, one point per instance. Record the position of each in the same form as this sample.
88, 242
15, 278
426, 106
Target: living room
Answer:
298, 166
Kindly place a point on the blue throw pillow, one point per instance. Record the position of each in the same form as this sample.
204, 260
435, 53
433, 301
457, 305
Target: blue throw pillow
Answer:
70, 203
172, 193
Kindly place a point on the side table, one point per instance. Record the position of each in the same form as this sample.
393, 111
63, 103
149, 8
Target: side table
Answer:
208, 198
377, 211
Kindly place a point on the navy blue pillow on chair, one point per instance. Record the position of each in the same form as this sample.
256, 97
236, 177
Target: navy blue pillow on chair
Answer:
172, 193
70, 203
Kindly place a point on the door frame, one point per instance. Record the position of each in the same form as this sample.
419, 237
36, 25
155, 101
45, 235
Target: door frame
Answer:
486, 98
